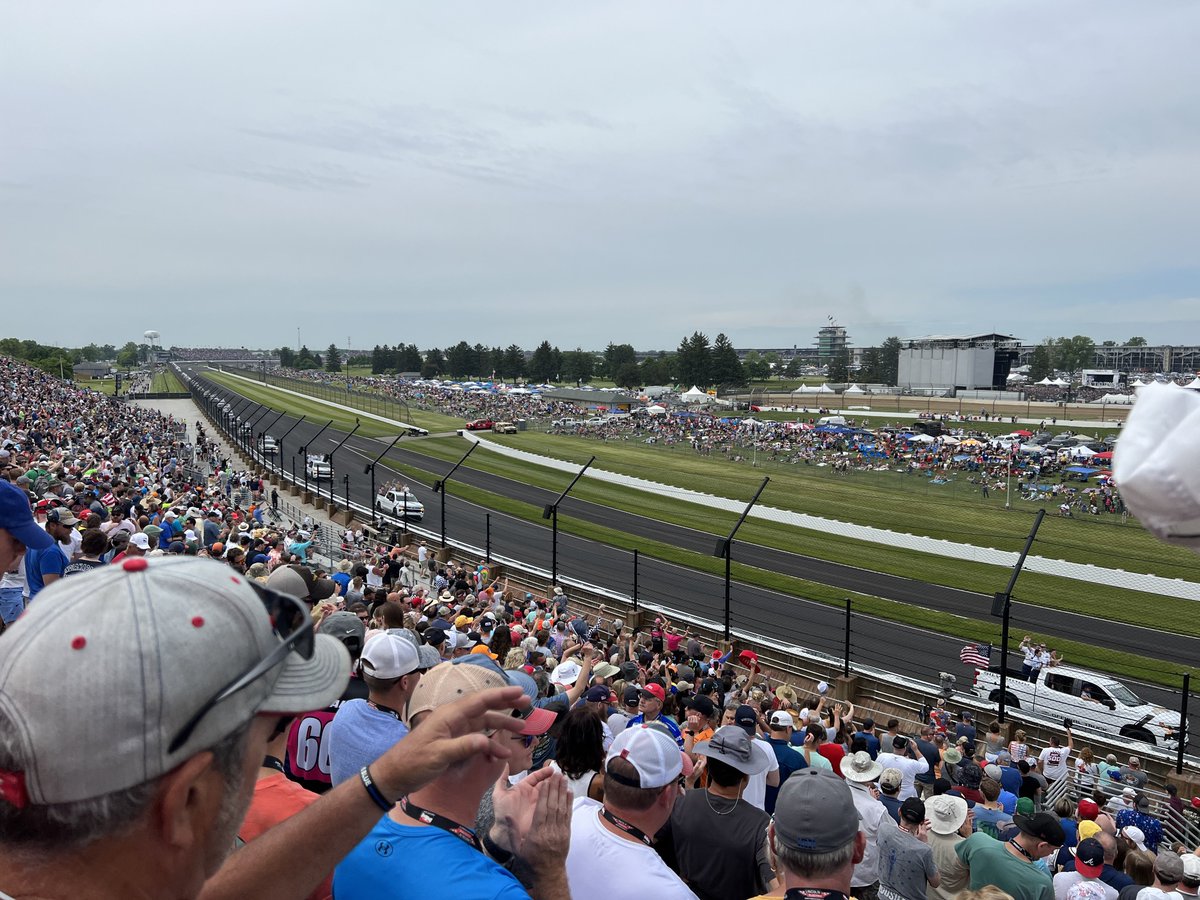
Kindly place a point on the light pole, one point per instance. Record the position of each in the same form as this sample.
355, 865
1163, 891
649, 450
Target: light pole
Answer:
551, 513
271, 424
304, 451
370, 468
1002, 607
439, 487
725, 545
282, 454
357, 425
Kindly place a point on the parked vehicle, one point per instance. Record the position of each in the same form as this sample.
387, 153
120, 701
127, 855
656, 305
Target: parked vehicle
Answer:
399, 502
319, 467
504, 428
1093, 699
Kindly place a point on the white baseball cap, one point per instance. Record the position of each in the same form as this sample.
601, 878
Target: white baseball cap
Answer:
388, 655
653, 753
781, 718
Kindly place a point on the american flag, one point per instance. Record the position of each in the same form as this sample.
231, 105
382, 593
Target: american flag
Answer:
979, 655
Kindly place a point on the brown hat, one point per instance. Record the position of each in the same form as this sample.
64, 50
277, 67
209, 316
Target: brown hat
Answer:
447, 682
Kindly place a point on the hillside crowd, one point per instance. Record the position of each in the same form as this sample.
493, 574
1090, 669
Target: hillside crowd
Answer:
192, 706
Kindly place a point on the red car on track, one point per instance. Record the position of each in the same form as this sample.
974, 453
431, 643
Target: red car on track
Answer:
480, 425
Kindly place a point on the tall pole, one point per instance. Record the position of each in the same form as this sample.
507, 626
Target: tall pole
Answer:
371, 468
346, 481
635, 579
281, 453
846, 649
357, 425
439, 487
724, 548
551, 513
1002, 606
487, 542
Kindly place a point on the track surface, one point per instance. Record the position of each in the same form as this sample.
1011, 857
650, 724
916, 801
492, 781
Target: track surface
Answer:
878, 643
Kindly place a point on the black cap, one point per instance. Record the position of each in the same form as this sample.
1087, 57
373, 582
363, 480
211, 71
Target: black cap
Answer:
1043, 826
912, 810
632, 695
434, 636
708, 685
746, 717
899, 741
702, 705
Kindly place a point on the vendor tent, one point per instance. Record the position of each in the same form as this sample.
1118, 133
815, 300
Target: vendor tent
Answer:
1046, 380
655, 410
695, 395
1194, 384
855, 389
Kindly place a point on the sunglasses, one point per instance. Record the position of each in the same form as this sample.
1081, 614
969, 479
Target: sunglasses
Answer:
291, 622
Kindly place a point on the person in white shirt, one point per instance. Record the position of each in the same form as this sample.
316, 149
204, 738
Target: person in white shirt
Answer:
1055, 759
611, 857
908, 759
861, 772
756, 788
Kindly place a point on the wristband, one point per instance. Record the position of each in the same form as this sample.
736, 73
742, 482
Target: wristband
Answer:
372, 791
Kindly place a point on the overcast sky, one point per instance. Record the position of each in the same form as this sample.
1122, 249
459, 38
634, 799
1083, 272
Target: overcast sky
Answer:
591, 172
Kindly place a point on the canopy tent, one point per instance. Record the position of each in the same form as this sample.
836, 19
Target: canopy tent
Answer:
1021, 432
949, 441
1085, 471
1194, 384
1106, 456
971, 442
1061, 382
1046, 380
1115, 398
922, 439
655, 410
854, 389
695, 395
1082, 452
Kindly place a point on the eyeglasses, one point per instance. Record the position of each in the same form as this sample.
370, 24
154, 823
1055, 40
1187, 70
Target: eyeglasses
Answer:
291, 622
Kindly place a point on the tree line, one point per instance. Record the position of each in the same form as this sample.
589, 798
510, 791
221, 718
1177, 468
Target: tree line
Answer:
1069, 354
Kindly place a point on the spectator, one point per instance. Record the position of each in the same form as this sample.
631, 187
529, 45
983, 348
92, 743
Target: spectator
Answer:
700, 714
426, 826
92, 545
1017, 748
18, 529
1111, 875
965, 729
1168, 873
362, 730
929, 752
789, 758
950, 823
861, 772
1004, 776
990, 816
765, 777
1089, 864
611, 855
1133, 774
905, 757
153, 809
868, 734
1012, 865
1139, 866
890, 782
44, 567
906, 867
1189, 886
579, 752
1054, 761
815, 837
720, 840
650, 709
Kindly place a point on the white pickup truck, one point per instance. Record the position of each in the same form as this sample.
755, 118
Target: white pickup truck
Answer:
268, 445
401, 503
1090, 699
319, 467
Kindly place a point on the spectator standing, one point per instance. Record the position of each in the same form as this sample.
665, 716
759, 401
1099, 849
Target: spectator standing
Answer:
362, 730
611, 856
906, 866
868, 735
1139, 816
1133, 774
1089, 864
890, 781
930, 753
861, 772
905, 757
789, 758
19, 533
650, 709
1012, 865
815, 837
756, 789
950, 823
965, 729
1168, 874
44, 567
720, 840
1055, 760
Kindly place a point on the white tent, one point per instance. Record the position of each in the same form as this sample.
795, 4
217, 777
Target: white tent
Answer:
1061, 382
854, 389
1194, 384
656, 410
695, 395
1082, 452
949, 441
826, 389
1115, 398
1046, 380
921, 439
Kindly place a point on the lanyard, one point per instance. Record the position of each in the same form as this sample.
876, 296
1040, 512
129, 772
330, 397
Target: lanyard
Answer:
813, 894
462, 832
385, 709
631, 830
273, 762
1025, 853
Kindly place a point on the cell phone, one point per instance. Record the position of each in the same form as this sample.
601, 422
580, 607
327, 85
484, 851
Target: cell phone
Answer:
1067, 723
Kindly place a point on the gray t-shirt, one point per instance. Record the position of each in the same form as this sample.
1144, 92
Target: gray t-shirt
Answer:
905, 865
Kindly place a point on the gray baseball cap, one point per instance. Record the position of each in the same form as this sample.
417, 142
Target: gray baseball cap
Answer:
815, 812
146, 644
731, 745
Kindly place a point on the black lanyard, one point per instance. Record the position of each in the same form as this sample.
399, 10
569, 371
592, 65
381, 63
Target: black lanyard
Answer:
1025, 853
273, 762
385, 709
813, 894
631, 830
462, 832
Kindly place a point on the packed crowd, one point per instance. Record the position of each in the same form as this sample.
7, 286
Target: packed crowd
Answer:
405, 726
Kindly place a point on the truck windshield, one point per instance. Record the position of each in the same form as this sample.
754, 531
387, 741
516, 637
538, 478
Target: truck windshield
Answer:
1124, 695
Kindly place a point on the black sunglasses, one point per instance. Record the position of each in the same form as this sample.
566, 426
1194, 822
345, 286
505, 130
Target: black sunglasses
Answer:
291, 622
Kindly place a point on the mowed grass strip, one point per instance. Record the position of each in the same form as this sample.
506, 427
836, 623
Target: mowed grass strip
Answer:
891, 500
165, 382
1079, 653
1100, 601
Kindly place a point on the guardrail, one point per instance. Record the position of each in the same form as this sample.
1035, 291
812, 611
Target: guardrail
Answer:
875, 690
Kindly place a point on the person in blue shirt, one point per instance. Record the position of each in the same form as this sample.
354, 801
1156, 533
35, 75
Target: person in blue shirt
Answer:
342, 577
868, 735
650, 704
44, 567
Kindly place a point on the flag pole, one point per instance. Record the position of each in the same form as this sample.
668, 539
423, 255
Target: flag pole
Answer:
1002, 606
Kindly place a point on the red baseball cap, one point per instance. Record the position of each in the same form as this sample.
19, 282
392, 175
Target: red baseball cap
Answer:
654, 690
1088, 809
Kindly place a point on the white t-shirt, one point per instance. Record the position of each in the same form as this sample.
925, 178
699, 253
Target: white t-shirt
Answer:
604, 866
909, 768
1054, 762
756, 788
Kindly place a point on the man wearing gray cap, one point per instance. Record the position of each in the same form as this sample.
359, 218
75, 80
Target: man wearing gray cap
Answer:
814, 837
134, 782
720, 840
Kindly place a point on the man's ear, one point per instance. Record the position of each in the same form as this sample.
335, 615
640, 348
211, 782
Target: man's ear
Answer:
188, 796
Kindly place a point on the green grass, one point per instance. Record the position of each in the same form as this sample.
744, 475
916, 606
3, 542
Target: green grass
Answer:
1101, 601
165, 382
1078, 652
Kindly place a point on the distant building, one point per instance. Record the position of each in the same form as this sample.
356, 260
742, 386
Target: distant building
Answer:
1100, 378
86, 371
831, 341
596, 401
947, 362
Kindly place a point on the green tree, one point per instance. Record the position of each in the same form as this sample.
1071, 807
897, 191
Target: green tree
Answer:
889, 361
459, 359
1135, 342
287, 357
617, 355
1074, 353
1041, 361
92, 353
380, 357
839, 367
793, 367
434, 365
870, 372
578, 366
333, 359
127, 356
628, 376
514, 362
544, 363
409, 359
693, 361
726, 368
756, 366
657, 370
